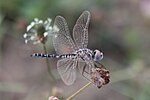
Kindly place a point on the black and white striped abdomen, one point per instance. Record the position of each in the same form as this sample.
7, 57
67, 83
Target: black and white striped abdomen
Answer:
72, 56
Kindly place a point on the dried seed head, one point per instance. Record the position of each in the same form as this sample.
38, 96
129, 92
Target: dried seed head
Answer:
100, 76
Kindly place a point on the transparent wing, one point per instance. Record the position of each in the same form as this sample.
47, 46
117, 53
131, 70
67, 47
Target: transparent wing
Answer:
80, 30
67, 70
63, 42
85, 69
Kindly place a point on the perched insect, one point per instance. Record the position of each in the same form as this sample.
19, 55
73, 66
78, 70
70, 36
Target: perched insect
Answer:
73, 52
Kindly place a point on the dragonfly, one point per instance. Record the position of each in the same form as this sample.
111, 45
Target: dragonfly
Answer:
73, 53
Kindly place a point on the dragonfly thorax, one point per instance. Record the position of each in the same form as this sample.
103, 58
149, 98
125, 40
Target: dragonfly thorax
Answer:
85, 54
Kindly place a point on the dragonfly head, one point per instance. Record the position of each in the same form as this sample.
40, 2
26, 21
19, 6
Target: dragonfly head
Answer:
97, 55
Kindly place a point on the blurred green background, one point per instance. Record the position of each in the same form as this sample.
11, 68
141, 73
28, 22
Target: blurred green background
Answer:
118, 28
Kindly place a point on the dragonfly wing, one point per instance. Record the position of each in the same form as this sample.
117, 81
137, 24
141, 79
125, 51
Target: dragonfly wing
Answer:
67, 70
63, 42
80, 30
85, 69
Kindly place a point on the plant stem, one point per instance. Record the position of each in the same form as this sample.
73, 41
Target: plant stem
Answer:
80, 90
48, 65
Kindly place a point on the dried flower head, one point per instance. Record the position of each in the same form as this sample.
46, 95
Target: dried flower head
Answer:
100, 76
38, 31
53, 98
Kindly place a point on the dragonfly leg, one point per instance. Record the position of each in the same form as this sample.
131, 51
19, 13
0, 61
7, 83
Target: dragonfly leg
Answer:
101, 65
84, 71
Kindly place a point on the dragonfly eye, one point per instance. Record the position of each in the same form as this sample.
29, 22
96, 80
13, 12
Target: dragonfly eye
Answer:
94, 52
98, 55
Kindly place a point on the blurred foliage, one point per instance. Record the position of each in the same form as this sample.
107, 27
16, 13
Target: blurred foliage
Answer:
119, 28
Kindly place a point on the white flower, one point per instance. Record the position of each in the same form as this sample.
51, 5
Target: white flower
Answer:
38, 31
53, 98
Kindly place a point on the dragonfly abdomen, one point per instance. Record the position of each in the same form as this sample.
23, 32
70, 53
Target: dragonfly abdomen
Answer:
53, 55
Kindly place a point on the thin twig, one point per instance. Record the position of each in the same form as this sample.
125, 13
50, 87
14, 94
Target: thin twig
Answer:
48, 65
80, 90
